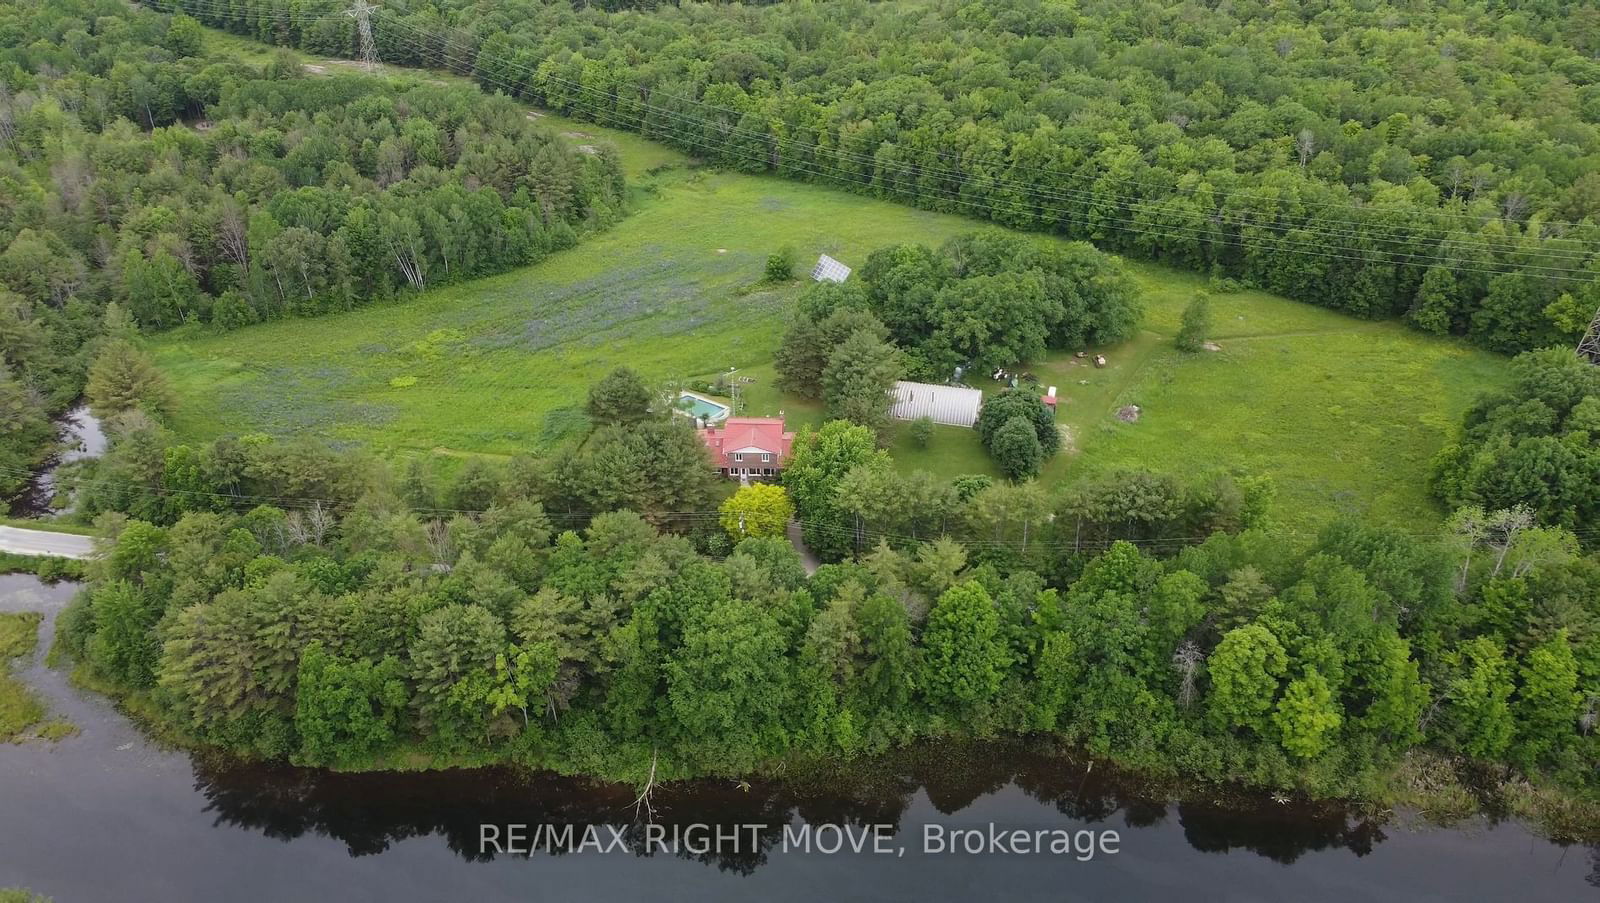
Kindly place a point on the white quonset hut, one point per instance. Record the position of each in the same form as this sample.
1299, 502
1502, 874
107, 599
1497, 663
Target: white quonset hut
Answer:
948, 405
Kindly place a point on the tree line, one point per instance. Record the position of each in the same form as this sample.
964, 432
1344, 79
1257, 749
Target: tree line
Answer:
1534, 446
142, 170
294, 602
1389, 160
352, 639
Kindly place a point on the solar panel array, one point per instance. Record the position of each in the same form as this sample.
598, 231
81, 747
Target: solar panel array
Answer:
829, 270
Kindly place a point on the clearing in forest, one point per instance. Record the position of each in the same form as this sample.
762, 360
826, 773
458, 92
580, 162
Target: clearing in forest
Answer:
1344, 414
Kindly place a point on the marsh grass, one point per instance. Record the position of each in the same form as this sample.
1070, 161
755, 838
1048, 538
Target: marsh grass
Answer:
20, 708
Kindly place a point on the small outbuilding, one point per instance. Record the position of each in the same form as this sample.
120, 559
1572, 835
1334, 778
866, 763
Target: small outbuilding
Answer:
949, 405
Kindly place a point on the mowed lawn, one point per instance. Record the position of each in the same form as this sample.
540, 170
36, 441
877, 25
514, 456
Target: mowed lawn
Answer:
1344, 414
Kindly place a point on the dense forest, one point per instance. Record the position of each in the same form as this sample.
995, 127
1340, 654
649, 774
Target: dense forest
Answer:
1534, 447
1439, 162
147, 184
608, 609
286, 601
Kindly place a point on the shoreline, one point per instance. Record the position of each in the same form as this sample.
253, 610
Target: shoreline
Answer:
1434, 789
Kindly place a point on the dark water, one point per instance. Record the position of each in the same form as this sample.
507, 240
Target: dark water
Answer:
81, 437
108, 816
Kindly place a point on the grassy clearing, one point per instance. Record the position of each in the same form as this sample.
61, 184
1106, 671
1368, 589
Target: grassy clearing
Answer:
1344, 414
501, 365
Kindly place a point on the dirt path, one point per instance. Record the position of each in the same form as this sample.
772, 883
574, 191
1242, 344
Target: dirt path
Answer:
809, 560
321, 67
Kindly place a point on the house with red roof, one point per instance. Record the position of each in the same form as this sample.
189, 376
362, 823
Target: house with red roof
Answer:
749, 447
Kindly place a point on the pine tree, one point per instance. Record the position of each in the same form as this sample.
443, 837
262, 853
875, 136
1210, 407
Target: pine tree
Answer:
858, 378
1196, 326
620, 397
123, 378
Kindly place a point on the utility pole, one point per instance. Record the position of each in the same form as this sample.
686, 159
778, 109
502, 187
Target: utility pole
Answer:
361, 11
1589, 347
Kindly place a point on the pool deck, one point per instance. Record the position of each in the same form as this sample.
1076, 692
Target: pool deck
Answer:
721, 412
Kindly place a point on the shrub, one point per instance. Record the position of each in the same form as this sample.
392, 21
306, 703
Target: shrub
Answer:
1016, 448
780, 265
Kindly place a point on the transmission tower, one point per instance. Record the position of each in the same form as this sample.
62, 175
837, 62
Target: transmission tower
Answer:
361, 11
1589, 348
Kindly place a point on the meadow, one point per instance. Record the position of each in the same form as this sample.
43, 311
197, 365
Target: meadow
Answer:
1344, 414
500, 365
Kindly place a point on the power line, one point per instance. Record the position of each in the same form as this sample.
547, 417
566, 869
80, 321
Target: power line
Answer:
446, 40
1362, 230
473, 52
356, 392
362, 11
1128, 223
1589, 345
642, 126
870, 534
1308, 245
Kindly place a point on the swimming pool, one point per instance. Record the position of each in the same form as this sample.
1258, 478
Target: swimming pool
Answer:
701, 407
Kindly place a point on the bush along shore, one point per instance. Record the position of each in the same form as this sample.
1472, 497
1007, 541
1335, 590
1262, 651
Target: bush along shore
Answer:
1360, 663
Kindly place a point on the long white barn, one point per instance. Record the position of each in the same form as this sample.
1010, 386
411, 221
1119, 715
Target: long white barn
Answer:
948, 405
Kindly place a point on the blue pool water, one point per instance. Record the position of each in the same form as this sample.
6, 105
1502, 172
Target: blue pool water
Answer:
698, 406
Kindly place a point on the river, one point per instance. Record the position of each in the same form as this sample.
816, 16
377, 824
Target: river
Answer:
109, 815
79, 436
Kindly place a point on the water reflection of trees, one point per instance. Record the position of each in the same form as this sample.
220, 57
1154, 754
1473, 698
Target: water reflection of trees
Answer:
1279, 831
370, 812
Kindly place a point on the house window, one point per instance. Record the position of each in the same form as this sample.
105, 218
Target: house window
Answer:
766, 459
738, 456
767, 471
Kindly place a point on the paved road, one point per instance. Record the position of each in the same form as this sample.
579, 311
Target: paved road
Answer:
41, 542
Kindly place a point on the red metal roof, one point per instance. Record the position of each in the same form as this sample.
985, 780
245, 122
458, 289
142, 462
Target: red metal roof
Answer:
748, 435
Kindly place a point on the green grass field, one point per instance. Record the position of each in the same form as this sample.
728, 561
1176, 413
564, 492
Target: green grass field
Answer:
1344, 414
